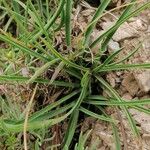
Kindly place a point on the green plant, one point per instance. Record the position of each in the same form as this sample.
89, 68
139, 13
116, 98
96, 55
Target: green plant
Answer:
31, 46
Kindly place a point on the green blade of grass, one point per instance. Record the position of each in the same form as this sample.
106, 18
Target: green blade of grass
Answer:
40, 8
39, 21
11, 127
39, 46
3, 14
41, 70
53, 113
84, 91
73, 72
116, 137
90, 113
20, 79
90, 28
142, 109
82, 140
65, 60
29, 10
21, 46
68, 22
117, 25
71, 128
47, 8
128, 56
73, 121
15, 128
55, 104
51, 20
16, 7
114, 128
108, 60
124, 14
20, 20
125, 67
97, 99
61, 22
14, 14
117, 103
8, 24
116, 95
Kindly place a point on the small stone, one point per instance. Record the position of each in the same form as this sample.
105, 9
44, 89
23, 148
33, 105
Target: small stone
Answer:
146, 127
112, 79
25, 71
143, 80
119, 73
113, 46
127, 96
139, 25
95, 34
130, 84
125, 31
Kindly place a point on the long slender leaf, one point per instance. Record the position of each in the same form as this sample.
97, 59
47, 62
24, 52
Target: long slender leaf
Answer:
128, 56
41, 70
116, 95
116, 103
101, 117
65, 60
51, 20
98, 13
116, 26
71, 128
20, 79
21, 46
124, 14
108, 60
125, 67
68, 21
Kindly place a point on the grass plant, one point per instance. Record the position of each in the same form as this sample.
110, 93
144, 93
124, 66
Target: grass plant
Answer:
37, 44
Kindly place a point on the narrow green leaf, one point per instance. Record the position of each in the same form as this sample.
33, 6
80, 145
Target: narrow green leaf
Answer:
53, 105
117, 25
51, 20
71, 128
41, 70
108, 60
116, 95
117, 103
125, 67
98, 13
121, 18
65, 60
61, 22
90, 113
20, 79
114, 129
68, 22
21, 46
128, 56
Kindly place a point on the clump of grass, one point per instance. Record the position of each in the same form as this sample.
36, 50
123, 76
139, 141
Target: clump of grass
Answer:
37, 45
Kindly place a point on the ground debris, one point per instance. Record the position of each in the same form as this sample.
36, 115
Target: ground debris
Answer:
130, 84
